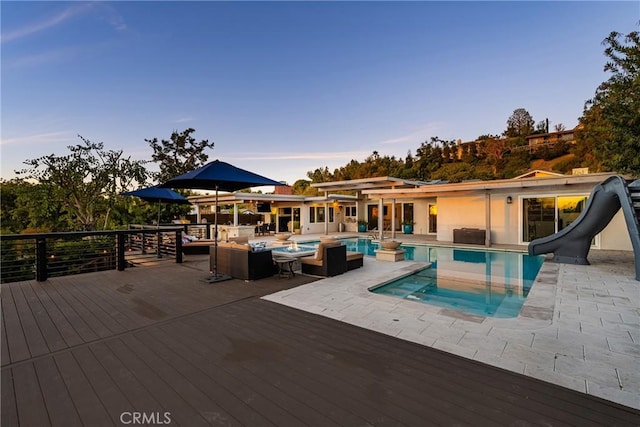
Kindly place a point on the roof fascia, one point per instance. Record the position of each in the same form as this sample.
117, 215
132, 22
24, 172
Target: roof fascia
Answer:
492, 185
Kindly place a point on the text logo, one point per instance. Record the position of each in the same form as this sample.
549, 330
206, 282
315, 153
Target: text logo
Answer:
147, 418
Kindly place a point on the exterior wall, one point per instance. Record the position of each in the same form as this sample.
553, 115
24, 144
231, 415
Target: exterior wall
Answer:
458, 212
616, 235
469, 211
318, 227
505, 226
421, 215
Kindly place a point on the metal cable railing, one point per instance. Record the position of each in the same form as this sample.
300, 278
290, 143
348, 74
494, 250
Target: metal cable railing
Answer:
42, 255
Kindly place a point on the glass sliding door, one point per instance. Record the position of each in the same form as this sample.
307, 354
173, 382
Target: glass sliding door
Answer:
569, 208
538, 217
543, 216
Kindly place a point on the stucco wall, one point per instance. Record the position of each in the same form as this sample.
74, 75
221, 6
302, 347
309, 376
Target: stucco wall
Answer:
421, 215
616, 235
469, 211
459, 212
504, 220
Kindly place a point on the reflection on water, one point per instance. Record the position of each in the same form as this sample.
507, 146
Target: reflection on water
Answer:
486, 283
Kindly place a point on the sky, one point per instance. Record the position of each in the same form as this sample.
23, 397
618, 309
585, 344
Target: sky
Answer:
283, 88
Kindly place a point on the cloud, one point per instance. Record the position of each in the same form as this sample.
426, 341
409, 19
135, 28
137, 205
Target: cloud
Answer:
417, 135
39, 139
53, 21
184, 119
108, 14
113, 18
338, 155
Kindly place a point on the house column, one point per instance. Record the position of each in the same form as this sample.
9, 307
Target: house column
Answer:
381, 218
326, 217
235, 214
198, 216
487, 216
393, 218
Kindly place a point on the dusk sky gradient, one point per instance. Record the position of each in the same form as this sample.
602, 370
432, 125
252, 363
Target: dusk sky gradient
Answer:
283, 88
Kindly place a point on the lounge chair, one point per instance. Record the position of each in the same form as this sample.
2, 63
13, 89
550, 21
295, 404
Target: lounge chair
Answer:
201, 247
197, 247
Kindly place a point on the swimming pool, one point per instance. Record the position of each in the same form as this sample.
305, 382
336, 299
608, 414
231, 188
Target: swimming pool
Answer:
476, 281
481, 282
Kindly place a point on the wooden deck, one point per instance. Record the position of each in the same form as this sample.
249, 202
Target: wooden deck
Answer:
84, 350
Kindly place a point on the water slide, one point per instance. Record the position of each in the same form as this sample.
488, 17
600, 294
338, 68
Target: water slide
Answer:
571, 245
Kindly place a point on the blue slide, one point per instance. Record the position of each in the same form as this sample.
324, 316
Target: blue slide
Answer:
571, 245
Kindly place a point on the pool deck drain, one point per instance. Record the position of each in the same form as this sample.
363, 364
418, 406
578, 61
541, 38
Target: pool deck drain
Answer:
579, 327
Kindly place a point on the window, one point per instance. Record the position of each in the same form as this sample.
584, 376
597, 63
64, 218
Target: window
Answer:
350, 211
317, 213
433, 219
407, 208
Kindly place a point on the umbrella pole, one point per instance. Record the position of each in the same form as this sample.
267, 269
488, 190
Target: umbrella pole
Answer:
216, 278
215, 236
159, 237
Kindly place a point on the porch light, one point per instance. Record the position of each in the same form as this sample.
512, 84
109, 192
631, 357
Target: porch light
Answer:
509, 200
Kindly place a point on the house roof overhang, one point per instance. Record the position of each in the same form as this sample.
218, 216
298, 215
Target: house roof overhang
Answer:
225, 198
361, 184
245, 198
513, 184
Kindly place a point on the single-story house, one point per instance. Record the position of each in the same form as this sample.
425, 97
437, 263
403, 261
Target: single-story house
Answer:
510, 211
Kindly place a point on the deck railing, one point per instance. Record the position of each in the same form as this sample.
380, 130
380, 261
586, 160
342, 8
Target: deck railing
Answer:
202, 230
42, 255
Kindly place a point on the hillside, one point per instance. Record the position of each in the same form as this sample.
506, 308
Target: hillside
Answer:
561, 164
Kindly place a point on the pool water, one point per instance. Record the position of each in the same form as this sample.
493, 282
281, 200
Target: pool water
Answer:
481, 282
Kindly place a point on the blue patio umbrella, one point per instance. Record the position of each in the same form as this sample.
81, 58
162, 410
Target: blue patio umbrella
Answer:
157, 194
216, 176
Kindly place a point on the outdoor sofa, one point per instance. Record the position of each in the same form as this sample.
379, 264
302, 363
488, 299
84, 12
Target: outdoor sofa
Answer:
197, 247
241, 261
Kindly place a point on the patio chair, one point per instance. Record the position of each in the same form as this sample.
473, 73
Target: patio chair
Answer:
330, 260
354, 260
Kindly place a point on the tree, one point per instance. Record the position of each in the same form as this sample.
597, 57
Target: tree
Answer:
610, 123
86, 181
494, 149
180, 154
559, 127
29, 206
520, 123
542, 127
320, 175
303, 187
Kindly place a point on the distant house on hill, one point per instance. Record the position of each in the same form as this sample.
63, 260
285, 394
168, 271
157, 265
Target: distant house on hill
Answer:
532, 142
550, 139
